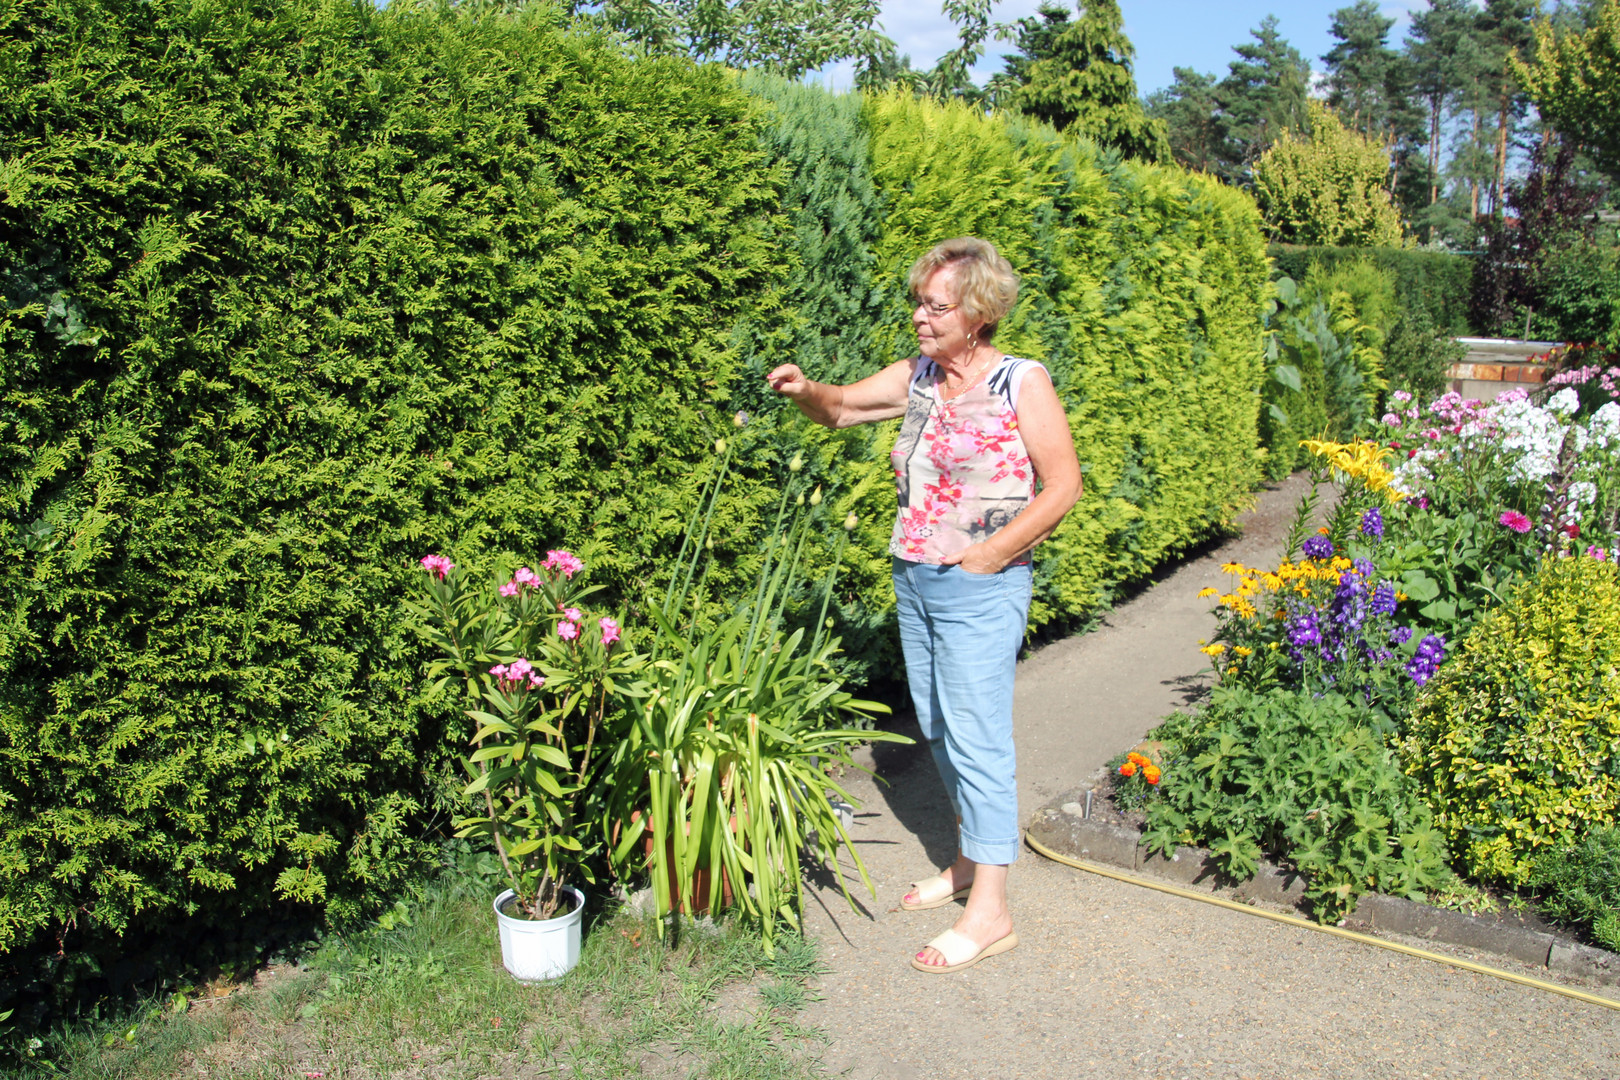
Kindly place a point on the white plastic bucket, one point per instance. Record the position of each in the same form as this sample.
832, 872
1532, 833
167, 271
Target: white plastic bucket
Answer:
538, 949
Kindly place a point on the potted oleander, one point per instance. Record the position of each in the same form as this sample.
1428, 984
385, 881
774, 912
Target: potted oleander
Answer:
537, 670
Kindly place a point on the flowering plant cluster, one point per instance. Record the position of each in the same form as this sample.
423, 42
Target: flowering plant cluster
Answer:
537, 675
1136, 779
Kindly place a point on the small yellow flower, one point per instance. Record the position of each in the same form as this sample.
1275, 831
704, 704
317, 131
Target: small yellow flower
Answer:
1232, 568
1272, 582
1207, 592
1242, 650
1400, 597
1213, 650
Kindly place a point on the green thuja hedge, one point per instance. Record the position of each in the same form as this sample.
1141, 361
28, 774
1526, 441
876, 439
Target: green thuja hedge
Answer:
300, 290
347, 286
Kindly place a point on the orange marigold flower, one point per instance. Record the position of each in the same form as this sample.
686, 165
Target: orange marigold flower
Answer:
1151, 774
1137, 759
1322, 530
1128, 769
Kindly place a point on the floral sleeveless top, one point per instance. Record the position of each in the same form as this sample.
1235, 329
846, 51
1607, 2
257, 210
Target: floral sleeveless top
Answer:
960, 465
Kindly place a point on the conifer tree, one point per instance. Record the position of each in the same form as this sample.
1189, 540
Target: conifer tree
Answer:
1361, 68
1192, 119
1085, 83
1262, 96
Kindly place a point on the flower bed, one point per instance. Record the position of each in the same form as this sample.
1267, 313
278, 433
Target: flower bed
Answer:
1340, 739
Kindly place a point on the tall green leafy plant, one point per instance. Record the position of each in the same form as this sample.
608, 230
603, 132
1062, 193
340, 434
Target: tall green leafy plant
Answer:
726, 774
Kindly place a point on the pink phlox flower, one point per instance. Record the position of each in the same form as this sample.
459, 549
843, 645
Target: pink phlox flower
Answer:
509, 589
438, 564
1431, 434
563, 561
1515, 521
571, 614
525, 576
568, 631
1597, 553
1401, 396
610, 630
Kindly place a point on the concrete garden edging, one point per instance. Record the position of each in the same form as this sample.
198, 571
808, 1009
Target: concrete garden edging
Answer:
1062, 827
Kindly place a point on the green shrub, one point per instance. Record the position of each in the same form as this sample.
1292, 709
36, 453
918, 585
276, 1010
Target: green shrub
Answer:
1579, 884
1417, 355
1295, 776
1432, 281
361, 284
1516, 744
1579, 287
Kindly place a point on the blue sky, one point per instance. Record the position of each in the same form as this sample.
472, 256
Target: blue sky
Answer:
1167, 33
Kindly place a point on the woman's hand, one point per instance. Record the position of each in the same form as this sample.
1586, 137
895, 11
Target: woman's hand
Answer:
979, 558
789, 381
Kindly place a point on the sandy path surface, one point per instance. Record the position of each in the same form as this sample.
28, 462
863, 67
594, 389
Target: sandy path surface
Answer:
1113, 980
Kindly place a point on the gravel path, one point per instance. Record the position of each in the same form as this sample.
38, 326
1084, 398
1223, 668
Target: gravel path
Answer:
1113, 980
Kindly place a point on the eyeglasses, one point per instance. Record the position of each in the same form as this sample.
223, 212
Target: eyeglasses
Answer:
937, 309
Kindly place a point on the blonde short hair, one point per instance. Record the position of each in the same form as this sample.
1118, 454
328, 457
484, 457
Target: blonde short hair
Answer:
986, 286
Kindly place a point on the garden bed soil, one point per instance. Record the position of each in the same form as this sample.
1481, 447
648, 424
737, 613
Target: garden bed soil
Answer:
1111, 835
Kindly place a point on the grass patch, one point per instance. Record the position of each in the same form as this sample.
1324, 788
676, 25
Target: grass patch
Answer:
423, 994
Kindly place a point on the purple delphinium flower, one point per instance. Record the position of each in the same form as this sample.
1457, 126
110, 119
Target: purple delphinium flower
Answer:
1383, 599
1318, 547
1303, 633
1372, 523
1431, 652
1400, 635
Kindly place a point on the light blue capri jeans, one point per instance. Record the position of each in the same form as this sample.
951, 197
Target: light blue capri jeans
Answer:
960, 633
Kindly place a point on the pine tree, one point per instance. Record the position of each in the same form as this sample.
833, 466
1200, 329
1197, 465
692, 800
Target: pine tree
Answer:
1438, 36
1361, 67
1084, 82
1262, 96
1193, 119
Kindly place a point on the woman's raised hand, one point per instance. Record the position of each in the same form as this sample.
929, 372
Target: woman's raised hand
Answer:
789, 381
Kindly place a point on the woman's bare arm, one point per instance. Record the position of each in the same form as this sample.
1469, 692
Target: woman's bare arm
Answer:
1045, 430
876, 397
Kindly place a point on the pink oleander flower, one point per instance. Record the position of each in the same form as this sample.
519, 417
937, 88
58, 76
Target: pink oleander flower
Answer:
568, 631
509, 589
610, 630
438, 564
525, 576
518, 673
1515, 521
564, 561
572, 614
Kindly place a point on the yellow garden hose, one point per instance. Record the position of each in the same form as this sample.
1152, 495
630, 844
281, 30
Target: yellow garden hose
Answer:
1336, 931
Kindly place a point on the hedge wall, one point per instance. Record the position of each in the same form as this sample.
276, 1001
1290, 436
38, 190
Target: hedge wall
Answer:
1436, 283
363, 284
298, 290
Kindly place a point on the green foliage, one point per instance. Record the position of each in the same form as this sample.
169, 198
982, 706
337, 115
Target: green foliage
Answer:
1325, 376
1296, 776
786, 37
1578, 286
1078, 75
1516, 745
1579, 884
735, 731
1262, 96
1327, 187
367, 284
1418, 355
1433, 282
1575, 82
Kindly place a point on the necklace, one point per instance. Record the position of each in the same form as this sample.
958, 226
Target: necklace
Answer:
967, 381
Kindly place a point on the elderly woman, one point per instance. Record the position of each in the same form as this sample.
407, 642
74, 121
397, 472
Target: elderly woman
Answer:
986, 469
